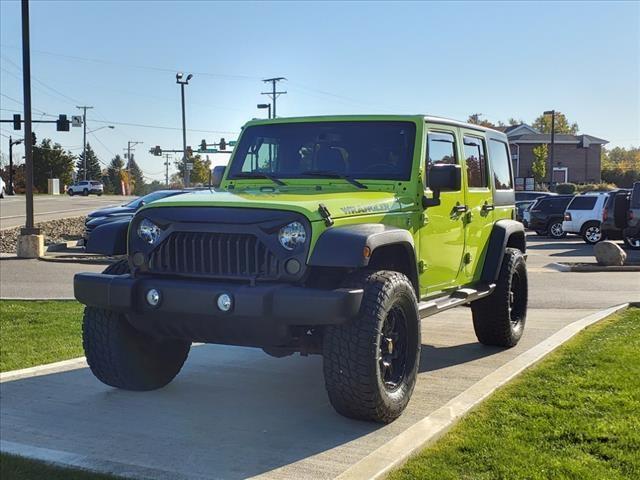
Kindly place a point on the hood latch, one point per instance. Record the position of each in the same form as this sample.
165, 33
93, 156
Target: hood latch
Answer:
325, 214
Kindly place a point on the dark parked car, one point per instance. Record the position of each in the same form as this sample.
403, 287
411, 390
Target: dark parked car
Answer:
609, 229
522, 207
530, 195
547, 214
121, 213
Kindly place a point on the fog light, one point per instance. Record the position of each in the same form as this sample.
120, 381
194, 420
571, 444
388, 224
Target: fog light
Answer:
153, 297
224, 302
292, 266
138, 259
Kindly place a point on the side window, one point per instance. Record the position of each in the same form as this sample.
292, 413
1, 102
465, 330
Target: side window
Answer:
262, 156
499, 158
441, 148
476, 162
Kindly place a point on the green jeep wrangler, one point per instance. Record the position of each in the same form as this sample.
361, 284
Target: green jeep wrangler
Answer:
323, 235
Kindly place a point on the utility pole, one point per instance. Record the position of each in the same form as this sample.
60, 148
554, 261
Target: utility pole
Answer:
273, 94
84, 109
11, 144
29, 228
166, 169
130, 143
185, 159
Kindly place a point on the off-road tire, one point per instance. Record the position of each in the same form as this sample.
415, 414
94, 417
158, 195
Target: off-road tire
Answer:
591, 233
555, 231
353, 351
499, 318
123, 357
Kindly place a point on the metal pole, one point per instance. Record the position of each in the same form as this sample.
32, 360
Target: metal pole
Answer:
553, 138
10, 186
273, 83
187, 172
28, 144
166, 169
269, 110
84, 141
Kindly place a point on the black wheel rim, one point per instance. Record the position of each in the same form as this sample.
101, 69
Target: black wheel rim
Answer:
393, 349
516, 300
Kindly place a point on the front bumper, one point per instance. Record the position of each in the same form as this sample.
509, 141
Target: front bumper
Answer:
261, 315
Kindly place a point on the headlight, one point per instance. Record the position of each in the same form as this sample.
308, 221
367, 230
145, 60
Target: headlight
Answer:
292, 235
148, 231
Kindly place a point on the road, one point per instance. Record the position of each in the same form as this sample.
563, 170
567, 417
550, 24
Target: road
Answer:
236, 413
50, 207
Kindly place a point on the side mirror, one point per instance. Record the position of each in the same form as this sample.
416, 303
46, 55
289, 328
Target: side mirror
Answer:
442, 178
216, 175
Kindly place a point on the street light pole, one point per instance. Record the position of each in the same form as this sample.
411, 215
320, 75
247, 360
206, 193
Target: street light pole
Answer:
553, 138
182, 83
11, 144
267, 106
84, 137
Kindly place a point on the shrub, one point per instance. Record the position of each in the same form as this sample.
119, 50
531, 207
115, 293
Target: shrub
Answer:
565, 188
595, 187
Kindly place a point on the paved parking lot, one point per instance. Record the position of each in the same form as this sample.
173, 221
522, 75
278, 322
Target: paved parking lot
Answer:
235, 413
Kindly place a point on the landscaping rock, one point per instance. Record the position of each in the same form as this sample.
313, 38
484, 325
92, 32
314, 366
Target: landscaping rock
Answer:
54, 231
609, 254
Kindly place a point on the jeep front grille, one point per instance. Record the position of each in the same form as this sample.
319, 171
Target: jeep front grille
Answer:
224, 255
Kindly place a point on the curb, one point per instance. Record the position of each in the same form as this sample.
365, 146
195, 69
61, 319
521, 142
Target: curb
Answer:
88, 261
37, 299
568, 267
395, 452
56, 367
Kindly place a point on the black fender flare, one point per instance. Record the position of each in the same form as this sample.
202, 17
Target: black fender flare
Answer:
109, 238
505, 233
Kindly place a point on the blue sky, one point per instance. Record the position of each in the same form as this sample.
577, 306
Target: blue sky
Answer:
452, 59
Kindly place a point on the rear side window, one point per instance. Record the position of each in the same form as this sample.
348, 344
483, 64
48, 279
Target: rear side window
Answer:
499, 158
441, 149
553, 205
476, 162
583, 203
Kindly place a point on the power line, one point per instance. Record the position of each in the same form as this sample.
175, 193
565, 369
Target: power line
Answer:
273, 95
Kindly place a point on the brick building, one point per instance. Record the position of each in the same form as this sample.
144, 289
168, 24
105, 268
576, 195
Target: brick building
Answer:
576, 157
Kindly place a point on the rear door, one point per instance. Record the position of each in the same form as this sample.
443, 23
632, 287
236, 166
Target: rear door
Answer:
478, 199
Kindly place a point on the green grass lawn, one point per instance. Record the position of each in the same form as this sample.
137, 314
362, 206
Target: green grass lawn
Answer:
574, 416
18, 468
38, 332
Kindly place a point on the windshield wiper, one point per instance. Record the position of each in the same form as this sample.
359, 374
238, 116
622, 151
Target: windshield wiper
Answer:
268, 176
333, 174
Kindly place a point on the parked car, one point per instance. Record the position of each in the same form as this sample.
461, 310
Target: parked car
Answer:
631, 232
2, 188
314, 253
86, 187
521, 208
120, 213
547, 214
531, 195
583, 216
610, 230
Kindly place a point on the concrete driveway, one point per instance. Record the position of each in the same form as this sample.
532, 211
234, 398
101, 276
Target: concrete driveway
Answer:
236, 413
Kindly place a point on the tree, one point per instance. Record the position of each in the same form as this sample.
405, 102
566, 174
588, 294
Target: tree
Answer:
136, 179
476, 119
113, 177
93, 165
51, 161
562, 125
539, 165
621, 166
200, 172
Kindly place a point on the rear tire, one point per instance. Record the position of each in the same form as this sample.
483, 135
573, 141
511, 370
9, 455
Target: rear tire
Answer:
555, 230
371, 362
633, 243
499, 318
70, 192
123, 357
85, 192
591, 233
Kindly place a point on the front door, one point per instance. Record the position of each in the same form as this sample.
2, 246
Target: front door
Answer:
442, 232
479, 201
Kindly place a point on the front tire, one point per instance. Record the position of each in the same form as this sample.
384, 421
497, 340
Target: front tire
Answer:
591, 233
123, 357
371, 362
499, 318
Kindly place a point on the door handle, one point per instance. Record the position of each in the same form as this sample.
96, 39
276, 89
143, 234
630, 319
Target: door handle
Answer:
487, 208
460, 208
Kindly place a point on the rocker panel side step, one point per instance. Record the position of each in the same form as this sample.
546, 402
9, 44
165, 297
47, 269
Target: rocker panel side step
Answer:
455, 299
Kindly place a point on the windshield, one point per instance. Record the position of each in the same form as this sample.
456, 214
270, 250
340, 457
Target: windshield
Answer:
151, 197
365, 150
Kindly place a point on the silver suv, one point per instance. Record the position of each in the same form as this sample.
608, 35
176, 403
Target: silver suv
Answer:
86, 187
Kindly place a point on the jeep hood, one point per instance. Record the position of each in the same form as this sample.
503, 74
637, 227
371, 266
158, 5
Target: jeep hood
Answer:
339, 203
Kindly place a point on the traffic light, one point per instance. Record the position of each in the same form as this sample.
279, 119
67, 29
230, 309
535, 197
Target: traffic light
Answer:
62, 124
157, 151
203, 145
17, 124
222, 145
189, 152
